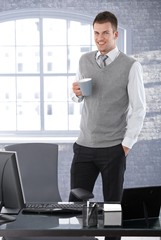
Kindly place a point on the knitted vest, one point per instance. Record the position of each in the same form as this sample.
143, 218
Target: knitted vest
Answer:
104, 113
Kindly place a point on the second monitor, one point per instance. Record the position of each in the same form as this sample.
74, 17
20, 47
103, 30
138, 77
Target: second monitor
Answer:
11, 190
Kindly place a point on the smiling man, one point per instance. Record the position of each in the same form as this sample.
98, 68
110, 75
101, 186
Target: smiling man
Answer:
112, 117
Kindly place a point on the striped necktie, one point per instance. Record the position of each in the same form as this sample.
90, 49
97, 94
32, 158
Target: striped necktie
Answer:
103, 60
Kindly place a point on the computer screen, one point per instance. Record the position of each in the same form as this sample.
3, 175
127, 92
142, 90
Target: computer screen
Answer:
141, 202
11, 189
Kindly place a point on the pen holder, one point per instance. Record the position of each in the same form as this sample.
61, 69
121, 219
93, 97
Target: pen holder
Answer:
90, 215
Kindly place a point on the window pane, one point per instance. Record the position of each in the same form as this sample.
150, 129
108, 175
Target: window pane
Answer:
7, 30
7, 59
121, 43
28, 103
28, 89
27, 32
27, 59
54, 32
55, 88
7, 89
74, 115
74, 53
8, 116
78, 33
56, 116
28, 116
55, 59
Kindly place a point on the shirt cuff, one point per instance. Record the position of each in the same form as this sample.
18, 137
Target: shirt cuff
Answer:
129, 142
77, 98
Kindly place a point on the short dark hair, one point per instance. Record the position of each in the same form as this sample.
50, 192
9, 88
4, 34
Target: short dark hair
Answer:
106, 16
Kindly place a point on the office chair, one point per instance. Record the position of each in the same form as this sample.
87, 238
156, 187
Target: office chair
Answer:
38, 164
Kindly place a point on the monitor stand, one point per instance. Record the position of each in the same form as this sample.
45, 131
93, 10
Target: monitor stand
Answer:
6, 218
146, 214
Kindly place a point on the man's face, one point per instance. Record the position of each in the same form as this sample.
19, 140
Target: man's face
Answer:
105, 37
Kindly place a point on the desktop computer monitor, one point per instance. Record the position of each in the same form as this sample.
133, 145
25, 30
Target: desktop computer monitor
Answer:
141, 202
11, 190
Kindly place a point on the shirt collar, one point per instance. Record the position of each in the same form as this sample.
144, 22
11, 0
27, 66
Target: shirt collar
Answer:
112, 54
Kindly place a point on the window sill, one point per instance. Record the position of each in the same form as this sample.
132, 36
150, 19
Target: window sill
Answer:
14, 140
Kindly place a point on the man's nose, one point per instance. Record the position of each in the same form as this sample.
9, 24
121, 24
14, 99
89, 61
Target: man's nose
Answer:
100, 37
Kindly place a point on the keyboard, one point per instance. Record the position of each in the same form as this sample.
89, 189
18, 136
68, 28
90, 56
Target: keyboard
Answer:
49, 208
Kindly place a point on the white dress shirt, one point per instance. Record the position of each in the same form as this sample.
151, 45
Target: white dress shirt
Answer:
137, 101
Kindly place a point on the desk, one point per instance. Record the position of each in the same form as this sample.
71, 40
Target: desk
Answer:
59, 225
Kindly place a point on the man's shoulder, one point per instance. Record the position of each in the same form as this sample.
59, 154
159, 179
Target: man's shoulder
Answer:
127, 57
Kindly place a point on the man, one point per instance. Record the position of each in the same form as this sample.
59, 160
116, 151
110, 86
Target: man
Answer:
112, 117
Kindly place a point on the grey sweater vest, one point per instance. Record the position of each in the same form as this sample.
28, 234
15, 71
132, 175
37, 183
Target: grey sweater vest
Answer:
104, 113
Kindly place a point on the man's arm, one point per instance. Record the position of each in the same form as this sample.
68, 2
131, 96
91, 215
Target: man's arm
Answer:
137, 103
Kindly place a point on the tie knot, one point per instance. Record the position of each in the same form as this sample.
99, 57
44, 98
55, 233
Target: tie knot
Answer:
103, 57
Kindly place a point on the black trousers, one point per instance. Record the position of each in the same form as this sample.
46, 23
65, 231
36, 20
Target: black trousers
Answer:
87, 163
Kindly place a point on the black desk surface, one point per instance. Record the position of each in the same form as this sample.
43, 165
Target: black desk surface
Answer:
67, 225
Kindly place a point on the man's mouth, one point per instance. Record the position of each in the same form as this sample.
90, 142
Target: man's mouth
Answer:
101, 44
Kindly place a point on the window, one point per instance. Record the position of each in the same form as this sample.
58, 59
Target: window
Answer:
39, 58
